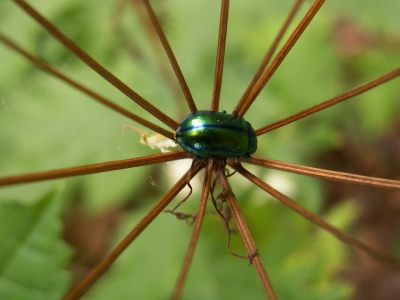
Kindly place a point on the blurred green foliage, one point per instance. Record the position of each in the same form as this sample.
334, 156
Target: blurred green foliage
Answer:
45, 124
32, 258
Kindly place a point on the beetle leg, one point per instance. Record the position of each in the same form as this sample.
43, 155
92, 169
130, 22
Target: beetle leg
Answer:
247, 156
238, 160
229, 174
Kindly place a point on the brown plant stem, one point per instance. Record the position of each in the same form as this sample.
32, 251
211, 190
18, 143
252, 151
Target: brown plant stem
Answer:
171, 56
88, 60
219, 64
323, 105
380, 256
102, 267
245, 104
321, 173
252, 251
163, 66
272, 49
46, 67
176, 294
94, 168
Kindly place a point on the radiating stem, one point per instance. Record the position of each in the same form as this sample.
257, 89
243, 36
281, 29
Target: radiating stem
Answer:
219, 64
196, 231
103, 266
40, 63
244, 105
316, 108
69, 44
384, 258
94, 168
159, 51
321, 173
247, 238
271, 49
171, 56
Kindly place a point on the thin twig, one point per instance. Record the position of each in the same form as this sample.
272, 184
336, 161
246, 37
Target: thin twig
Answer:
94, 168
272, 49
252, 251
220, 167
380, 256
171, 56
41, 64
323, 105
159, 56
244, 105
88, 60
102, 267
219, 64
321, 173
196, 231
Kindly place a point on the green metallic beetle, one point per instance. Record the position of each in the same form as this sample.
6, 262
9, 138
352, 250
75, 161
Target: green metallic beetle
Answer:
216, 135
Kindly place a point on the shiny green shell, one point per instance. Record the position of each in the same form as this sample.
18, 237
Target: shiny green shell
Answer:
216, 134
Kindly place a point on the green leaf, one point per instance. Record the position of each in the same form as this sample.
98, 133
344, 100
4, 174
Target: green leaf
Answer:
33, 256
